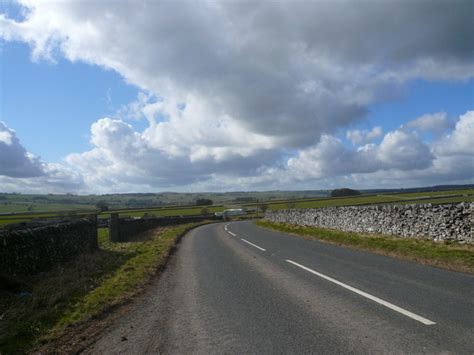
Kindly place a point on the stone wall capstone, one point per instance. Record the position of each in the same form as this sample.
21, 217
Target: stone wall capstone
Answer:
31, 250
450, 222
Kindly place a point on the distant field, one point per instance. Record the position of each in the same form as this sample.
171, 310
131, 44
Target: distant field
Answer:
442, 200
42, 207
407, 198
20, 203
171, 211
435, 193
437, 197
331, 202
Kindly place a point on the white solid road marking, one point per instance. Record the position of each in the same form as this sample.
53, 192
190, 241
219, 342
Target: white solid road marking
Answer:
254, 245
366, 295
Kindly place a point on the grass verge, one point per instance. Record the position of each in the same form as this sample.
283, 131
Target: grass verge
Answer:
449, 256
39, 309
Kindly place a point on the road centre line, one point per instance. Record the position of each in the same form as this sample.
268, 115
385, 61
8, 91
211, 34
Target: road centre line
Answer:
228, 231
254, 245
366, 295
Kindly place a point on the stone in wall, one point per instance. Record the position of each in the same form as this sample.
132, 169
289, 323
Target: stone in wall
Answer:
450, 222
32, 250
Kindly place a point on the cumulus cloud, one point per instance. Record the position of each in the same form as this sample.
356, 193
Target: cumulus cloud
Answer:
461, 140
436, 122
21, 171
401, 159
265, 66
358, 136
56, 179
398, 150
121, 154
15, 161
245, 90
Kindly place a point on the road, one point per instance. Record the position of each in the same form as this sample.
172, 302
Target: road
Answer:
238, 288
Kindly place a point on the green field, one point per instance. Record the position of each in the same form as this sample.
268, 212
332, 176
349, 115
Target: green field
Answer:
21, 203
436, 197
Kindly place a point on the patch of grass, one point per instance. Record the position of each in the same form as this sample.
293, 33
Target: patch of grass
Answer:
450, 256
77, 291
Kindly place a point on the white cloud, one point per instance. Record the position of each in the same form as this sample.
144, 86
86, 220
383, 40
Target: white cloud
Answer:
290, 71
461, 140
240, 91
122, 155
398, 150
56, 179
6, 136
22, 171
401, 159
358, 136
435, 122
15, 161
404, 151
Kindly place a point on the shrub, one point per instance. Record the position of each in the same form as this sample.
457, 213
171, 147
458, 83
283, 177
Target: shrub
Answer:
344, 192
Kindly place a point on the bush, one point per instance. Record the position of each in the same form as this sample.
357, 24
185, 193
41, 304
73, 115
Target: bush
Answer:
203, 202
102, 206
344, 192
263, 207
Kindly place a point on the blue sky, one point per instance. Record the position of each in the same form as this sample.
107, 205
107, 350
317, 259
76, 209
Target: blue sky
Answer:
39, 95
422, 96
251, 105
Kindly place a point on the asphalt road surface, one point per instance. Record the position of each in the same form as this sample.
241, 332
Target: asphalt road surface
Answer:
237, 288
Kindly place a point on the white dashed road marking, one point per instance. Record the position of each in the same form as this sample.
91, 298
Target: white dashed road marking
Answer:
254, 245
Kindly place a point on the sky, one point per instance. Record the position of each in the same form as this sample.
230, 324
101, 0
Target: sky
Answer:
150, 96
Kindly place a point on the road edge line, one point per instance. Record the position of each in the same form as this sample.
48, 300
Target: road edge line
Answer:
380, 301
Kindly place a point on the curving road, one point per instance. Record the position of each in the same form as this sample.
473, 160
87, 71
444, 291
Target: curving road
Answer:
237, 288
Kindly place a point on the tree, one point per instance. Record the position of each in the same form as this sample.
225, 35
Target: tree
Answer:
203, 202
291, 204
263, 207
204, 211
102, 206
344, 192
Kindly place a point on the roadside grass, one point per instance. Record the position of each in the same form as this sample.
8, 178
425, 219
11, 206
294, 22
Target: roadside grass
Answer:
38, 309
445, 255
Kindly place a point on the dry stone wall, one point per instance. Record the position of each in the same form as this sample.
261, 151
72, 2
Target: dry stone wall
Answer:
451, 222
31, 250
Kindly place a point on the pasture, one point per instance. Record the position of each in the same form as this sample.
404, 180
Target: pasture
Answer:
435, 197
